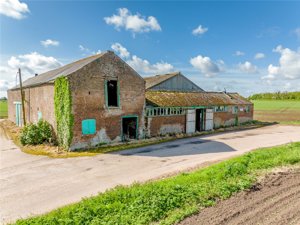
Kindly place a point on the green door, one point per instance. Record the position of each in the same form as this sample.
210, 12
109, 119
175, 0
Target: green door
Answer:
18, 114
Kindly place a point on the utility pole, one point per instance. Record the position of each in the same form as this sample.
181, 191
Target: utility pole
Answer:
22, 97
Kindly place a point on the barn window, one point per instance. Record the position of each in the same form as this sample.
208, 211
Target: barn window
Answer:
247, 109
88, 126
235, 109
112, 93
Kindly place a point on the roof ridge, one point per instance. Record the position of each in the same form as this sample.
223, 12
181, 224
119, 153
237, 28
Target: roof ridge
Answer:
154, 80
64, 70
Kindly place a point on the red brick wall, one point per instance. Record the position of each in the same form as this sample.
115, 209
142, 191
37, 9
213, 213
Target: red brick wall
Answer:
228, 118
88, 98
166, 124
40, 98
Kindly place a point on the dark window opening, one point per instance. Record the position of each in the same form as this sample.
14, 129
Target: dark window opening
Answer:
129, 127
199, 119
112, 93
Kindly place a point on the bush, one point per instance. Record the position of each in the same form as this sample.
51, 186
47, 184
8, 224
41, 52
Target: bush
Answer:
34, 134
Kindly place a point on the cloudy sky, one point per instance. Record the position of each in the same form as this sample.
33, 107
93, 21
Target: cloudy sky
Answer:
247, 47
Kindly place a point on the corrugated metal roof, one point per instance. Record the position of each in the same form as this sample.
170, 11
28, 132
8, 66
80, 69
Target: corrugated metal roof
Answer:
157, 79
189, 99
61, 71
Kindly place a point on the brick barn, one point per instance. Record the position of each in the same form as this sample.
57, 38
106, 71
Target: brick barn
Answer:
110, 102
174, 104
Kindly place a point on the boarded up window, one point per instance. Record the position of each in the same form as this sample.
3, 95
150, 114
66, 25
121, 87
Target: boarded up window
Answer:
88, 126
40, 115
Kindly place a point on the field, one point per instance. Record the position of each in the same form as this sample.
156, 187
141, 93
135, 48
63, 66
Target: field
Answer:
3, 109
283, 111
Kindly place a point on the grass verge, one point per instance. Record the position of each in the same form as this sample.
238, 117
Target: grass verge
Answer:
170, 200
13, 132
296, 122
3, 109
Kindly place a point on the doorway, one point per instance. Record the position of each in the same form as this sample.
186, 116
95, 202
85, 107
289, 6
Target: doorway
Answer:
18, 113
129, 127
200, 120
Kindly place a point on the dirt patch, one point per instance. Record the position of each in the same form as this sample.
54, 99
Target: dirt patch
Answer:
280, 115
274, 200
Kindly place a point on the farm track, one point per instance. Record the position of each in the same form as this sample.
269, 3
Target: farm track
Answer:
275, 200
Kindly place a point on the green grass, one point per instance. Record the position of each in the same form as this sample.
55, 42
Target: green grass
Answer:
3, 109
282, 111
271, 105
170, 200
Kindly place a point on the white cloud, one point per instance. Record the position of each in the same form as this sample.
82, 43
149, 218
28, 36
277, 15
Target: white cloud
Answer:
4, 85
135, 23
142, 66
247, 67
199, 30
29, 63
205, 65
119, 49
13, 9
297, 32
239, 53
289, 64
33, 63
268, 77
87, 51
50, 42
273, 70
259, 55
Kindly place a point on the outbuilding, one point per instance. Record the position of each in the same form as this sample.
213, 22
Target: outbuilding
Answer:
101, 99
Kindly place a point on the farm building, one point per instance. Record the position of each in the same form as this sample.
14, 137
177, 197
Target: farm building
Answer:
174, 104
100, 99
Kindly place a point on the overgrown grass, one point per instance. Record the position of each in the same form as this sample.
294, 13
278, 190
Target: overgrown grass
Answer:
170, 200
3, 109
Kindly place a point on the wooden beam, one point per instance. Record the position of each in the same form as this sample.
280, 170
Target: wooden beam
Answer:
22, 98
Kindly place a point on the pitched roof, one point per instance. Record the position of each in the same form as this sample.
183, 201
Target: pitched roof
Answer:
157, 79
189, 99
61, 71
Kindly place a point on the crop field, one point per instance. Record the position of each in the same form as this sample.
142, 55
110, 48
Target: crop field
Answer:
3, 109
283, 111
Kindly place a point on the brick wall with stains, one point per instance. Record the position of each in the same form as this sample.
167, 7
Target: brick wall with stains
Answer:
229, 118
89, 101
162, 125
39, 101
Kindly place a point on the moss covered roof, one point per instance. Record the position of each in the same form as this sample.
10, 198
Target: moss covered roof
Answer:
189, 99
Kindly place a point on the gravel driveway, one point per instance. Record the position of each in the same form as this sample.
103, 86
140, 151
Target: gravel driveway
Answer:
32, 185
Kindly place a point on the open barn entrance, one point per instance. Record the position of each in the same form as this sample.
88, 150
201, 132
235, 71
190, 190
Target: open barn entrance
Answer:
129, 127
200, 120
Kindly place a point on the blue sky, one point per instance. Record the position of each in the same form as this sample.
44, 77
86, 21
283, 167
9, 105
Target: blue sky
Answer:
246, 47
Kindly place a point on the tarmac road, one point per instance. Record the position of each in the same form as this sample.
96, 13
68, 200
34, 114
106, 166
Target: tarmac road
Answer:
33, 185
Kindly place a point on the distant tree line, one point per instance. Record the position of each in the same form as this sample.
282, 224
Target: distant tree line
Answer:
276, 96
